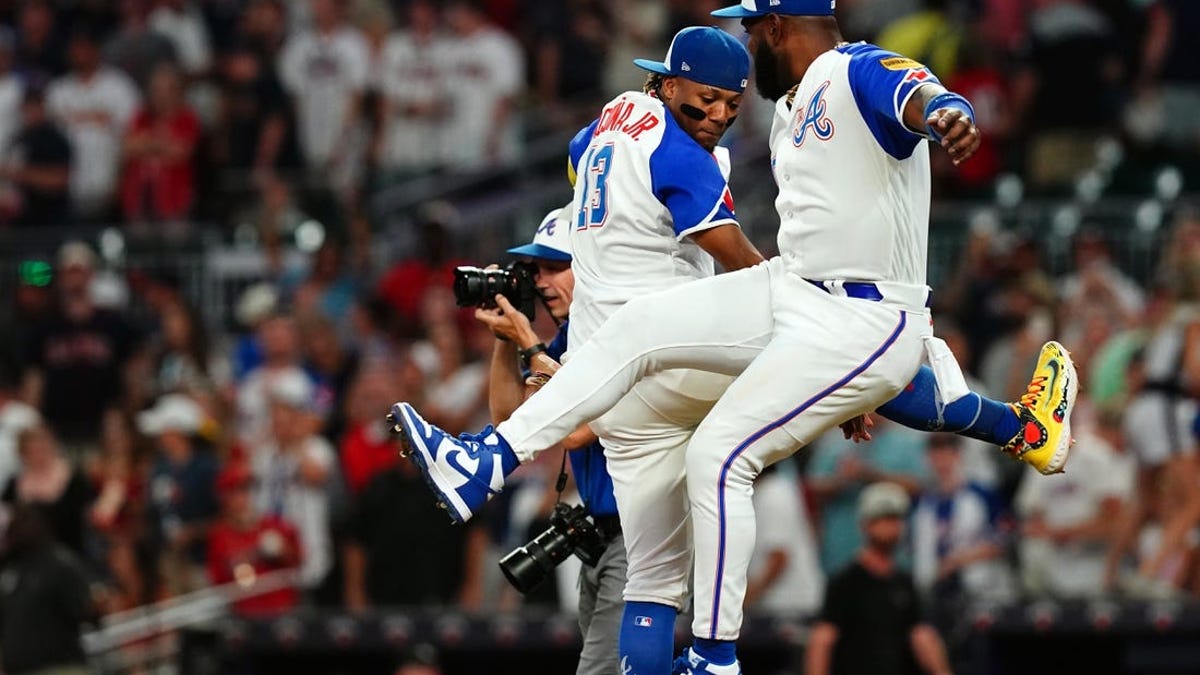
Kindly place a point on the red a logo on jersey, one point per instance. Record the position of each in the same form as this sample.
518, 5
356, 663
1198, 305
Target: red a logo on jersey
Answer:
917, 75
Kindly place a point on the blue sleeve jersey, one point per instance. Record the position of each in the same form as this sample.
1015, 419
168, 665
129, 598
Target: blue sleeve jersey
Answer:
882, 83
688, 180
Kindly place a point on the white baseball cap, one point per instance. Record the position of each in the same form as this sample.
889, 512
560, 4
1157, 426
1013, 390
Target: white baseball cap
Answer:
880, 500
552, 241
171, 412
293, 388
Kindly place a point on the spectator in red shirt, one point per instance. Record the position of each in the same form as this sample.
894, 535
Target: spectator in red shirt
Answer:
244, 545
367, 448
404, 285
159, 181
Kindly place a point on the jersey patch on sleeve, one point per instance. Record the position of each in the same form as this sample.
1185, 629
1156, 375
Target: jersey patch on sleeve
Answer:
882, 83
900, 63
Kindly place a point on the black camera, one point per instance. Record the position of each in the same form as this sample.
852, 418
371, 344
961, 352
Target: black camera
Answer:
474, 287
571, 531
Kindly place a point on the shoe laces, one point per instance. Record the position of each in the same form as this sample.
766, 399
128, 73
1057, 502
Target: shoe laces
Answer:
1034, 391
479, 437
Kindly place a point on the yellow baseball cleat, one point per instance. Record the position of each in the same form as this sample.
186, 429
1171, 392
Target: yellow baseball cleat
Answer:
1045, 411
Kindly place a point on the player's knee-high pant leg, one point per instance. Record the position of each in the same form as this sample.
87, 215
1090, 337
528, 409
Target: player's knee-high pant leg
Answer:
645, 436
717, 324
846, 361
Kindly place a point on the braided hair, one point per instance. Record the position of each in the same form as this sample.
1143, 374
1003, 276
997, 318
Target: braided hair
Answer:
653, 85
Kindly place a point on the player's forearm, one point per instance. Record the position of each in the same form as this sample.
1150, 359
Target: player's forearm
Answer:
914, 110
728, 245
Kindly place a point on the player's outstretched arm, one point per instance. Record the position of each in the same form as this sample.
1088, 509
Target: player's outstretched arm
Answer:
947, 116
728, 245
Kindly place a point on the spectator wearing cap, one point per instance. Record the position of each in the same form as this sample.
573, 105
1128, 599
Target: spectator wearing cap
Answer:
182, 498
296, 472
871, 621
37, 164
49, 482
94, 104
79, 359
279, 339
244, 545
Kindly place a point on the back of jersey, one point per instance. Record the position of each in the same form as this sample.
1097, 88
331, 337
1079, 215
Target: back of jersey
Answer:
642, 186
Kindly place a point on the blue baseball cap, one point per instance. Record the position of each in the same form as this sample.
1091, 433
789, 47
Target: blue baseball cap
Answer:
552, 241
706, 55
752, 8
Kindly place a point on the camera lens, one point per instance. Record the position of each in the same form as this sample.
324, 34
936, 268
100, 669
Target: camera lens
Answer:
528, 566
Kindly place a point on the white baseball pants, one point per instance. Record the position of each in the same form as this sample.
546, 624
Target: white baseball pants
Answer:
804, 361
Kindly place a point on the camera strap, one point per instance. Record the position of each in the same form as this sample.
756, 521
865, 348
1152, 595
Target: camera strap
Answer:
561, 484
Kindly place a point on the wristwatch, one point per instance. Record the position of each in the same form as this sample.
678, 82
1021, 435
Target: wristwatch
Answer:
526, 354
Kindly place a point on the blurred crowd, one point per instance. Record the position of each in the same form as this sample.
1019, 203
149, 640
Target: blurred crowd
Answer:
166, 112
168, 455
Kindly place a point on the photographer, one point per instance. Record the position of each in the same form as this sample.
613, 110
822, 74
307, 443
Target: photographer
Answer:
519, 349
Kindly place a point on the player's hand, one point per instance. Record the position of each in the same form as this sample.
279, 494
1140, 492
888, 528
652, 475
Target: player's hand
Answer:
858, 429
960, 136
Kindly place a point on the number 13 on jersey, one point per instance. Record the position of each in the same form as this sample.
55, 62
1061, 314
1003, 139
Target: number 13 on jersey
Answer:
597, 164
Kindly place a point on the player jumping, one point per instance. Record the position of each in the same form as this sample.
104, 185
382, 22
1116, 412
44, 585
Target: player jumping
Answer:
833, 328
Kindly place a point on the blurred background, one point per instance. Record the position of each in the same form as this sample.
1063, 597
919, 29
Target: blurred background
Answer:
227, 230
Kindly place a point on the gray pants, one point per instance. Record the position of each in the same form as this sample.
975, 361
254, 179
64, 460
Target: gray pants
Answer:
600, 608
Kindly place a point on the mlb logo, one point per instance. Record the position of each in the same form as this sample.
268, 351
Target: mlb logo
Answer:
643, 621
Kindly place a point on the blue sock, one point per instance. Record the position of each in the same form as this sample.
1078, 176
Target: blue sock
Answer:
973, 416
718, 652
647, 643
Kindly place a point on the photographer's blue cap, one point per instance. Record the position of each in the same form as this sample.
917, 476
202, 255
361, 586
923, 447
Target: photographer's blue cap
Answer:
552, 241
706, 55
753, 8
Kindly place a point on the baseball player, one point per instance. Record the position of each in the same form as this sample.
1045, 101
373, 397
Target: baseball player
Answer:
814, 340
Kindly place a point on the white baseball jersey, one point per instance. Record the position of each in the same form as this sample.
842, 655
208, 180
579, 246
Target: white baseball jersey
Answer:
854, 181
483, 69
643, 185
414, 72
94, 113
324, 72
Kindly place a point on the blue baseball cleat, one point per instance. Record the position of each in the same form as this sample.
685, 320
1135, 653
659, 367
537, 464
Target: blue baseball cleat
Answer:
464, 472
690, 664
